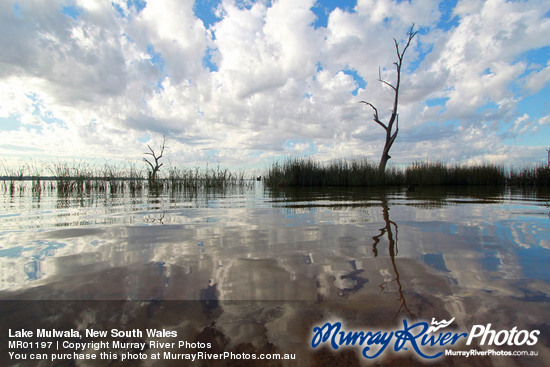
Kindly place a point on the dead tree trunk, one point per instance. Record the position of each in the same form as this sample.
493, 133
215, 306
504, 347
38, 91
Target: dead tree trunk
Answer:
391, 133
152, 174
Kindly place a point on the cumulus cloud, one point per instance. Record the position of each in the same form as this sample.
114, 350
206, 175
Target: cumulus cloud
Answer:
480, 54
170, 29
537, 80
101, 79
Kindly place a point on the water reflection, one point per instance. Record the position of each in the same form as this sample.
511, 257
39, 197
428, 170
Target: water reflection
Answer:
264, 266
393, 249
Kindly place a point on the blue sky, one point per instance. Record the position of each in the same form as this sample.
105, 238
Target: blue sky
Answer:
244, 83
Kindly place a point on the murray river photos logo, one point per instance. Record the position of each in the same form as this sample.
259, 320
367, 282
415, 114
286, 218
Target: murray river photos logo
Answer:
428, 341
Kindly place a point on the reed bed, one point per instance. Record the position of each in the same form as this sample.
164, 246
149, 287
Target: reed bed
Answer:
429, 174
82, 179
308, 172
538, 176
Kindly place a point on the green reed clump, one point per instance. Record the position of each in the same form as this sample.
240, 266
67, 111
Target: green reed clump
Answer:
308, 172
438, 173
538, 175
422, 173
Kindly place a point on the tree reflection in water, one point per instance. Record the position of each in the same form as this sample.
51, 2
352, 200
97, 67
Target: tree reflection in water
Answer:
393, 250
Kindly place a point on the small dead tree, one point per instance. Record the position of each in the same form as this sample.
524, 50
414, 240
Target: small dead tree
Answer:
152, 174
391, 133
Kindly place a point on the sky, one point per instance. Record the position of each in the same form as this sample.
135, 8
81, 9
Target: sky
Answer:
243, 84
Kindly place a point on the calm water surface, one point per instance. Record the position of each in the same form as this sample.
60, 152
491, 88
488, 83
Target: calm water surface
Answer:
254, 268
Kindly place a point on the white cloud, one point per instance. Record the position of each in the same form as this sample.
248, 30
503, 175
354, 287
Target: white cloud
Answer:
544, 120
480, 54
171, 28
261, 48
94, 85
521, 124
537, 80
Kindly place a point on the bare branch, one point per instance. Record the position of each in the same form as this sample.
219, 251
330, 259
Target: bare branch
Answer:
162, 148
150, 153
374, 108
150, 164
383, 81
375, 117
388, 84
397, 49
411, 36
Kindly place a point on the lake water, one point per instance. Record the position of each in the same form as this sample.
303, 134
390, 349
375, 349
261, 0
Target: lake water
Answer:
253, 270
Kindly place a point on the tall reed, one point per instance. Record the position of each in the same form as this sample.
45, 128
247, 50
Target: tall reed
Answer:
538, 175
81, 178
181, 178
437, 173
308, 172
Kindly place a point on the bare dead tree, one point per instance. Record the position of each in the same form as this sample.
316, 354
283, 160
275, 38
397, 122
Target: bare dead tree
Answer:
156, 166
548, 150
391, 133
